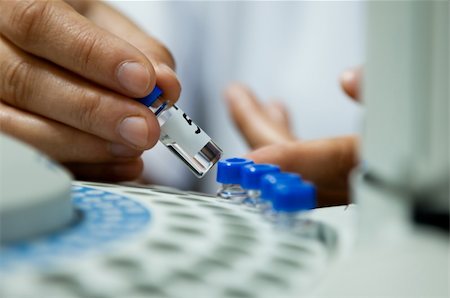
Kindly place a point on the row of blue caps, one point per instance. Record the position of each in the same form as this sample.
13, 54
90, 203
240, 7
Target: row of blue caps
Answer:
286, 192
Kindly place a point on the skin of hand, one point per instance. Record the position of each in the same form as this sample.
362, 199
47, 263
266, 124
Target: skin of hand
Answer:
351, 82
327, 163
68, 74
268, 123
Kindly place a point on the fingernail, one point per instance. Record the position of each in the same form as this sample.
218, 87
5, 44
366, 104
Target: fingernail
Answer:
135, 131
121, 150
166, 68
348, 76
134, 77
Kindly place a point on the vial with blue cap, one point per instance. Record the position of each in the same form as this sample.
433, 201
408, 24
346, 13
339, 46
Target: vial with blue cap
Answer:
181, 135
251, 180
268, 182
229, 175
289, 199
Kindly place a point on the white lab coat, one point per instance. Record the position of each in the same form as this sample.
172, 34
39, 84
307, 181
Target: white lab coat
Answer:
292, 51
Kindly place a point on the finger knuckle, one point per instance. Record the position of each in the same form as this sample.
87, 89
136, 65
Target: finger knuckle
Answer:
88, 112
27, 19
15, 77
85, 45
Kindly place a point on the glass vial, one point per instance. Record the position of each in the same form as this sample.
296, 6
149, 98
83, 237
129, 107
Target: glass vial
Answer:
229, 175
251, 181
268, 182
290, 198
182, 136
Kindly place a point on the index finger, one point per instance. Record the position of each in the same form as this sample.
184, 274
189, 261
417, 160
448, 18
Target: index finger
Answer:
112, 20
55, 31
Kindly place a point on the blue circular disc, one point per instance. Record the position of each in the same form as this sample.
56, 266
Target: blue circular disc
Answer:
101, 217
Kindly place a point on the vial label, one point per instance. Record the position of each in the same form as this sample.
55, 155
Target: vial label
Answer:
181, 129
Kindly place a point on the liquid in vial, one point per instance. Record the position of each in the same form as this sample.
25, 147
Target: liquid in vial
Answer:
289, 200
229, 175
251, 181
182, 136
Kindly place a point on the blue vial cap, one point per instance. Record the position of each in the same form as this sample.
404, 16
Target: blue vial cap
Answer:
269, 181
293, 196
229, 170
252, 174
152, 97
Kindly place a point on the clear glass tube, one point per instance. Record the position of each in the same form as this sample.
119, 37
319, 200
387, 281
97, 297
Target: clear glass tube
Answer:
285, 220
234, 193
264, 206
253, 199
294, 222
185, 139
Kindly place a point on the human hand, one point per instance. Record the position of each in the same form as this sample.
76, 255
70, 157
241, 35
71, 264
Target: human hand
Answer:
327, 163
267, 123
67, 82
351, 82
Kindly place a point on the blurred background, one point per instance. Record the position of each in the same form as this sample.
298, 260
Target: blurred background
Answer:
293, 52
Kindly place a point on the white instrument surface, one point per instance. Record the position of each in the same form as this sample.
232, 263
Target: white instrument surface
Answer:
129, 241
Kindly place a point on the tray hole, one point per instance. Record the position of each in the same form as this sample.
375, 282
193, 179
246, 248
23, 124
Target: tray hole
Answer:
165, 247
212, 264
295, 248
288, 263
187, 216
186, 231
237, 293
150, 290
243, 239
268, 278
168, 203
231, 252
